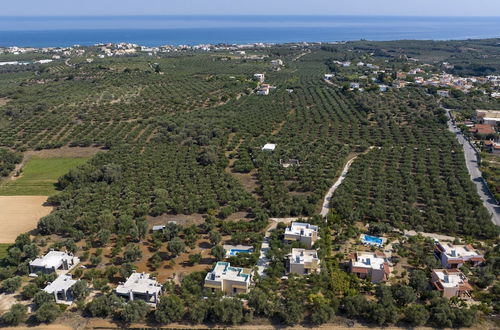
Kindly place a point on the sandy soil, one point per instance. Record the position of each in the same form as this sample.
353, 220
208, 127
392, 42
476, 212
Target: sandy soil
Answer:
338, 324
43, 327
180, 219
7, 300
3, 101
20, 214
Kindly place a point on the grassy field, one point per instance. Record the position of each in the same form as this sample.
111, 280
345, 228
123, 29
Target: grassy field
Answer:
39, 175
3, 250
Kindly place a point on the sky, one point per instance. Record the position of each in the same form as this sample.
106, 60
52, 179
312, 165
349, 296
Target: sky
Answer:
251, 7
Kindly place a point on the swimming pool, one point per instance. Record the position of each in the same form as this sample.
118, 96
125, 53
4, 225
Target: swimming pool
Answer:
234, 252
372, 240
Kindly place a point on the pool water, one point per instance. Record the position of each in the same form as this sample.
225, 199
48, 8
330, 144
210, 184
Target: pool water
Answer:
372, 239
234, 252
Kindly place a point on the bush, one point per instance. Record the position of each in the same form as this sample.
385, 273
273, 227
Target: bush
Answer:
47, 312
104, 306
10, 285
416, 315
15, 315
170, 309
134, 311
30, 290
176, 246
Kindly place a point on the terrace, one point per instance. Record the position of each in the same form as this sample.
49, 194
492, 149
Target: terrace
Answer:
140, 286
370, 264
454, 256
230, 280
52, 262
451, 283
303, 262
303, 232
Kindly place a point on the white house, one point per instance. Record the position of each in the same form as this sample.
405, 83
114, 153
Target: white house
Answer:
489, 117
61, 289
451, 283
454, 256
354, 85
259, 77
329, 76
303, 232
230, 280
277, 62
372, 265
382, 88
269, 147
303, 262
443, 93
52, 262
140, 286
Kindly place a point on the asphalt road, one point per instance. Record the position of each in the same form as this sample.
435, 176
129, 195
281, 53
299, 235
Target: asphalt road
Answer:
475, 174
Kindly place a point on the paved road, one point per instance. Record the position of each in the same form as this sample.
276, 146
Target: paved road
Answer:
475, 174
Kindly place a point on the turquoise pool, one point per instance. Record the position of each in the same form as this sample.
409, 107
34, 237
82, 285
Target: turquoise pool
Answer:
234, 252
373, 240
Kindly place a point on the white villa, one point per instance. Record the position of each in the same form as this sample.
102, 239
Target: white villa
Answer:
140, 286
451, 283
454, 256
370, 264
61, 289
303, 232
52, 262
259, 77
303, 262
230, 280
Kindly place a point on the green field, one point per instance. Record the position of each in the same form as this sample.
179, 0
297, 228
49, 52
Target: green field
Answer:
39, 175
3, 250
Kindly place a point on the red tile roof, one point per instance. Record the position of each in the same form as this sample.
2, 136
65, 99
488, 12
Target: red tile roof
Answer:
359, 270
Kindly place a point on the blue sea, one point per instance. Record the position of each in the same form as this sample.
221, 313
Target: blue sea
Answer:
189, 30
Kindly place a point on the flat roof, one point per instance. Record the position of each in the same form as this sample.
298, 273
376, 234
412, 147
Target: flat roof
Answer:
301, 256
450, 279
269, 146
139, 283
457, 251
301, 229
368, 260
62, 282
51, 259
490, 114
223, 270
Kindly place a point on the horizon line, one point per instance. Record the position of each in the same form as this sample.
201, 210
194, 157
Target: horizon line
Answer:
247, 15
